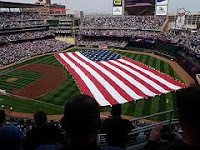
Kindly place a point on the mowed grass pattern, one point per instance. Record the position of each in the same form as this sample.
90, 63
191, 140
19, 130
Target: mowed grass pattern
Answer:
57, 98
24, 78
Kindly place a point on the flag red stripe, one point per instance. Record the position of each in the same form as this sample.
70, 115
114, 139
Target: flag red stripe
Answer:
101, 88
167, 78
138, 79
133, 87
147, 76
78, 79
111, 82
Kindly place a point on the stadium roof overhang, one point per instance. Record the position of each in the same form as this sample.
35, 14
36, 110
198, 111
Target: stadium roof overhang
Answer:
17, 5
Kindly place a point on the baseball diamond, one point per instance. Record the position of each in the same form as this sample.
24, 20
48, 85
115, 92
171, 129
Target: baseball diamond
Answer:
53, 101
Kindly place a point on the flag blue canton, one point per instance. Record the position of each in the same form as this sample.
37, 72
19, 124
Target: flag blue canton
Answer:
100, 55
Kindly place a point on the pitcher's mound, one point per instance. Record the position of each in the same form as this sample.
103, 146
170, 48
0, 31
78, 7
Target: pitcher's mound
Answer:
10, 80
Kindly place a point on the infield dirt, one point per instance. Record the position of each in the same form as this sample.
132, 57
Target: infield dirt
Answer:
53, 78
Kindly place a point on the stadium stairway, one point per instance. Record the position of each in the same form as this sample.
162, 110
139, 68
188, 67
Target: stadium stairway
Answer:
166, 25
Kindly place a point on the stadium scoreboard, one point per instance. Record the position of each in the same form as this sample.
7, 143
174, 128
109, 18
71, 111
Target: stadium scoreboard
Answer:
117, 2
161, 7
117, 7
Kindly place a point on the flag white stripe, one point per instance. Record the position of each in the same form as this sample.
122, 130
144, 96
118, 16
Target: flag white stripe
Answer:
145, 79
158, 78
93, 89
128, 90
131, 80
101, 80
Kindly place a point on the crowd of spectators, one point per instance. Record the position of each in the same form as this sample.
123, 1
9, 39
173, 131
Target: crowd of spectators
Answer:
17, 16
108, 33
103, 42
190, 42
41, 131
134, 22
124, 33
81, 124
20, 19
20, 51
21, 24
26, 124
2, 39
29, 35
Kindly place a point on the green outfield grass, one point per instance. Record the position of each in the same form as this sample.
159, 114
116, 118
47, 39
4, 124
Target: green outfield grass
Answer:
29, 106
53, 102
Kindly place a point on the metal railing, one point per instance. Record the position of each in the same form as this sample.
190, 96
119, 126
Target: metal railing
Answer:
154, 115
134, 137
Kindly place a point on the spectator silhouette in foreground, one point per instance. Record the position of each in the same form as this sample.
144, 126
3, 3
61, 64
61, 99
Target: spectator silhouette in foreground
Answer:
188, 112
42, 132
117, 129
81, 122
11, 138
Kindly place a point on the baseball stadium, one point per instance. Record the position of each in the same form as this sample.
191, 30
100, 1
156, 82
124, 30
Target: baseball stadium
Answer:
138, 58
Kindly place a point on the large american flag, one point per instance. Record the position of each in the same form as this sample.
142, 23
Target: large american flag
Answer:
113, 79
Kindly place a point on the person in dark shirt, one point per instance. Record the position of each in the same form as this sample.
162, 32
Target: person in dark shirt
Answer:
81, 122
11, 138
42, 132
188, 114
117, 129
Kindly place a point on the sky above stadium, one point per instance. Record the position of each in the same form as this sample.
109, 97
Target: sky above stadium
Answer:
105, 6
